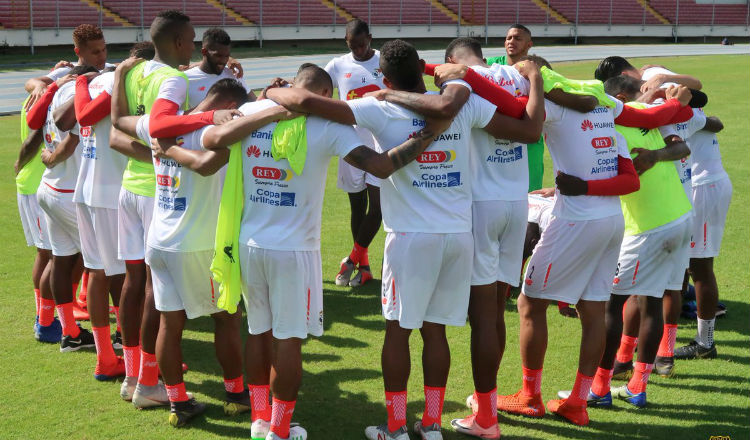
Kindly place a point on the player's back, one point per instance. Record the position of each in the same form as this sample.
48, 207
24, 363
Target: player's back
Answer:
63, 175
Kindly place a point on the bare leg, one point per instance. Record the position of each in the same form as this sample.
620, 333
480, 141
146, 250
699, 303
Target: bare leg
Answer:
613, 324
169, 347
533, 335
286, 372
593, 337
395, 359
485, 346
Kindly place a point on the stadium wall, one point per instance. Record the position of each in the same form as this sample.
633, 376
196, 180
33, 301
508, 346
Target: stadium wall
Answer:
51, 37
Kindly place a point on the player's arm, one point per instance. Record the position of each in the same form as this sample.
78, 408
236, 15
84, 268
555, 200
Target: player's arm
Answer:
579, 103
36, 115
384, 164
36, 88
64, 150
88, 111
303, 101
713, 124
222, 136
674, 110
128, 146
675, 149
205, 162
529, 128
660, 78
65, 115
625, 182
446, 105
29, 149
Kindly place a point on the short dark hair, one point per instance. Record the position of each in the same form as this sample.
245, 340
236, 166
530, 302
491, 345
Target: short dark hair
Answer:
611, 67
463, 43
537, 59
313, 77
521, 27
144, 49
216, 35
84, 33
167, 24
229, 88
82, 69
399, 62
623, 84
357, 27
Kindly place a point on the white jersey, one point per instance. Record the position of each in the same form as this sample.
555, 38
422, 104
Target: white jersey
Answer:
584, 145
100, 175
58, 73
174, 88
704, 150
499, 167
653, 71
200, 82
433, 193
540, 210
62, 176
685, 130
185, 204
282, 210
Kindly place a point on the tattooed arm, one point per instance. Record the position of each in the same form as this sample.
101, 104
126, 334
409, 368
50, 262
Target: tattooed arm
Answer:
445, 105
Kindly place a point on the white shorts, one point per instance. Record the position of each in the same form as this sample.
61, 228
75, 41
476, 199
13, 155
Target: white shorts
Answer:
711, 203
499, 229
426, 277
653, 262
33, 222
182, 281
283, 292
133, 222
62, 222
98, 230
353, 180
575, 260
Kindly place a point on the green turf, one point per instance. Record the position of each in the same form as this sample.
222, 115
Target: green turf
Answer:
47, 394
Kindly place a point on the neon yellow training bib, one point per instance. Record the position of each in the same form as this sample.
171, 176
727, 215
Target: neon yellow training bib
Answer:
661, 198
29, 177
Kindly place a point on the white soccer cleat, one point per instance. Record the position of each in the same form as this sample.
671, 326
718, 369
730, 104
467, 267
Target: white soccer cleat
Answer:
471, 403
151, 396
345, 274
295, 433
381, 433
128, 388
428, 433
259, 429
469, 426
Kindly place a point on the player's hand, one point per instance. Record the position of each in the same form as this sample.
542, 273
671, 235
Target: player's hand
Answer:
282, 114
16, 168
380, 95
652, 95
437, 125
447, 72
46, 156
63, 63
277, 82
65, 79
127, 64
569, 185
224, 116
654, 83
527, 68
160, 146
544, 192
644, 161
568, 312
34, 96
236, 67
681, 93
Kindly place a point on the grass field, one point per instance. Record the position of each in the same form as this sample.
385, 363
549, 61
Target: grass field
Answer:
48, 394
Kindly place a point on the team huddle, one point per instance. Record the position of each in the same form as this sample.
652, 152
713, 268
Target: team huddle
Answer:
174, 191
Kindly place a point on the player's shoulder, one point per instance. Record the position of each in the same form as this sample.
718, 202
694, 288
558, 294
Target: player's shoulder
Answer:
195, 73
104, 78
249, 108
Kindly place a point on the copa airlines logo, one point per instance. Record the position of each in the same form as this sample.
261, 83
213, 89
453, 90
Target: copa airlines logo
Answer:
253, 151
164, 180
172, 203
437, 156
603, 142
273, 198
506, 156
272, 173
446, 180
587, 125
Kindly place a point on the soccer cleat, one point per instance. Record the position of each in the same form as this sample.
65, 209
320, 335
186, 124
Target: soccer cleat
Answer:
530, 406
622, 370
382, 433
362, 277
471, 403
574, 414
469, 426
431, 432
295, 433
84, 340
638, 400
695, 351
259, 429
110, 372
80, 313
604, 401
117, 340
347, 268
51, 333
237, 403
128, 388
181, 413
664, 366
149, 396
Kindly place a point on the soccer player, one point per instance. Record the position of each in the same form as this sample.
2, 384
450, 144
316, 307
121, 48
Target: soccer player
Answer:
355, 74
91, 49
216, 53
427, 214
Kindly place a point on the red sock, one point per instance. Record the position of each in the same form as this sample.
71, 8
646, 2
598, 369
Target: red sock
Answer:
395, 405
666, 346
84, 286
259, 407
281, 417
132, 357
627, 348
177, 393
354, 254
68, 322
602, 380
149, 374
486, 408
117, 317
37, 299
580, 394
433, 405
46, 311
236, 385
639, 380
364, 259
532, 382
105, 354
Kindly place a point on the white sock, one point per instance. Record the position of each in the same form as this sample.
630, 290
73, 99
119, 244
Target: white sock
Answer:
705, 332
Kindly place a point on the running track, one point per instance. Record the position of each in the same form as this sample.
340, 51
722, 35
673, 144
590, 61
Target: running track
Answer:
259, 71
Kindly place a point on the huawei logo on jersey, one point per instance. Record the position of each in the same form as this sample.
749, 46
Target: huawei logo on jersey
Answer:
253, 150
360, 92
436, 156
271, 173
602, 142
587, 125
